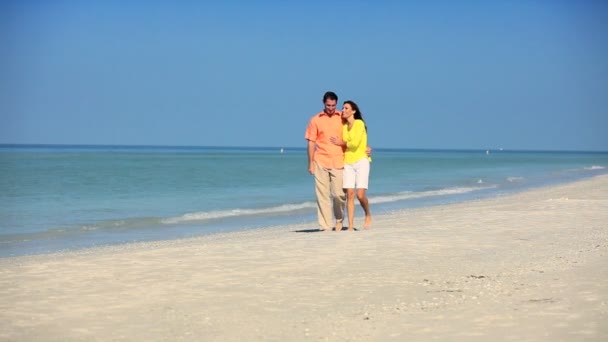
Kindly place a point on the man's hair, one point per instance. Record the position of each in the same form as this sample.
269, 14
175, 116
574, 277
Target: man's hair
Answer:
330, 95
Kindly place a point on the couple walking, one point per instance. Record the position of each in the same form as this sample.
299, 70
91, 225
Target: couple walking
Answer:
338, 159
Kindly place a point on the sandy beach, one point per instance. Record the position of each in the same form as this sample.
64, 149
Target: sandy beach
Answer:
524, 267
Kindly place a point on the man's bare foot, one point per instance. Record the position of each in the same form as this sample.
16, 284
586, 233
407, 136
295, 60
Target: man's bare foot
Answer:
368, 222
338, 226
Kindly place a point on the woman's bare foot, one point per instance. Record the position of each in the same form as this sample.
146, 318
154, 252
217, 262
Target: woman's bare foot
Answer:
338, 226
368, 222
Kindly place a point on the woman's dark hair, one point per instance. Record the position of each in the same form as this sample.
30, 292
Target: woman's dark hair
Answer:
357, 114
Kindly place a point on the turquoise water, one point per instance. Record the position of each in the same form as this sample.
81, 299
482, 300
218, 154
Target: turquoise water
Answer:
67, 197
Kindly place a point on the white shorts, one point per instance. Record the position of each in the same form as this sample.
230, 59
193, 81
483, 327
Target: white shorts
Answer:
356, 175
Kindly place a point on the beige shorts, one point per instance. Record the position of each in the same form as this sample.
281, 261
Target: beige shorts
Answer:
356, 175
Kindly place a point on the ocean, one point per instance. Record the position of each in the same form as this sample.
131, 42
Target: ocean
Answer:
57, 198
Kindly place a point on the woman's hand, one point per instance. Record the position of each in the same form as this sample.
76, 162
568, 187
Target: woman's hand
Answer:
336, 141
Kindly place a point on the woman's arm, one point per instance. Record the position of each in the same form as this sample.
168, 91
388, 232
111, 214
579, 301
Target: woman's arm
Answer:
356, 134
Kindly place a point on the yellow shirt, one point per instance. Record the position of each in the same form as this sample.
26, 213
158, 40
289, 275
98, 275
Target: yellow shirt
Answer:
356, 142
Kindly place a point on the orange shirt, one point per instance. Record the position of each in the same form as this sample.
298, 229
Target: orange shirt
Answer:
319, 130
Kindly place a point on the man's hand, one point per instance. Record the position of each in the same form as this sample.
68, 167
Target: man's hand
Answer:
311, 169
368, 151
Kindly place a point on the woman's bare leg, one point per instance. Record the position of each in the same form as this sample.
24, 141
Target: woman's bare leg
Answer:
365, 205
350, 207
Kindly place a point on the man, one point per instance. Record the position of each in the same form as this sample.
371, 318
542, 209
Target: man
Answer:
326, 163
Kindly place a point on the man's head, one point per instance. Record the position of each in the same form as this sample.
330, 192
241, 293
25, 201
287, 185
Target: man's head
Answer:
330, 99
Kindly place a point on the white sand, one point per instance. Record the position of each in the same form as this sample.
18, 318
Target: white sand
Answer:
526, 267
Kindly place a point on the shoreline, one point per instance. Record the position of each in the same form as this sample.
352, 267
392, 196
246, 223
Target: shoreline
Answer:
524, 266
304, 221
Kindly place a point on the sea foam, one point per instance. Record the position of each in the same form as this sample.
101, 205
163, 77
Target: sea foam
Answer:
219, 214
411, 195
288, 208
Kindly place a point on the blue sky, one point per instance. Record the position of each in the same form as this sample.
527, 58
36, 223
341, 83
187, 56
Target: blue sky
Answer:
426, 74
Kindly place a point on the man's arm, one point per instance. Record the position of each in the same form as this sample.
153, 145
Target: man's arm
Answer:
311, 154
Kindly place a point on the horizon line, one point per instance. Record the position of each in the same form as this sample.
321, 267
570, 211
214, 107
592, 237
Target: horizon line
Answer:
291, 147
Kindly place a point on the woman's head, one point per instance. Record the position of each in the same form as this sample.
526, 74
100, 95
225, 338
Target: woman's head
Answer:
350, 108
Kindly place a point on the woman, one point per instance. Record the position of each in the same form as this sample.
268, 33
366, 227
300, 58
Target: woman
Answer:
356, 161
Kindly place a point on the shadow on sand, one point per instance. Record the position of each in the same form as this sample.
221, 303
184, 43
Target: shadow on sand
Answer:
317, 230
